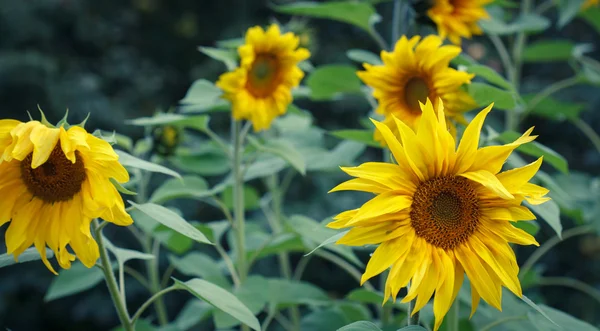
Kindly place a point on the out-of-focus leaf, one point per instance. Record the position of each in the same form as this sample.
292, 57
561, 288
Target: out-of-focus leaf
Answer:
283, 149
361, 14
196, 264
192, 313
527, 23
354, 312
252, 294
539, 310
123, 255
30, 254
330, 80
323, 319
344, 154
71, 281
129, 160
536, 149
550, 212
191, 187
490, 75
363, 56
203, 95
362, 136
206, 160
221, 299
120, 187
251, 198
567, 9
554, 109
365, 296
564, 321
198, 122
548, 51
287, 292
360, 326
531, 227
171, 220
227, 56
592, 16
485, 94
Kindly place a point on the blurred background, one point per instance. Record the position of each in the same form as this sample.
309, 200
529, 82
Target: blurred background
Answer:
119, 60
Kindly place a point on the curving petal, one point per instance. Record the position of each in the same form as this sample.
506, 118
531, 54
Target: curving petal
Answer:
490, 181
384, 256
44, 139
483, 282
467, 148
385, 203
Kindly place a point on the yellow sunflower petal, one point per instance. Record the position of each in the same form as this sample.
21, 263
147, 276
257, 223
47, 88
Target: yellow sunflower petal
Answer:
383, 257
490, 181
470, 141
44, 140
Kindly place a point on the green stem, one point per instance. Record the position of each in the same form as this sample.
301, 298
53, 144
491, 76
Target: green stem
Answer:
550, 243
503, 53
396, 22
412, 319
111, 282
148, 302
572, 283
137, 276
385, 310
154, 280
378, 39
588, 131
238, 199
502, 321
452, 318
548, 91
219, 141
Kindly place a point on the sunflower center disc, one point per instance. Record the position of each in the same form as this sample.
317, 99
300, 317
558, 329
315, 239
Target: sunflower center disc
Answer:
445, 211
56, 180
415, 91
262, 78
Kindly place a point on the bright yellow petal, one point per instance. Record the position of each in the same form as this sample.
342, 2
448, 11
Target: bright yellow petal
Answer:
383, 257
490, 181
469, 142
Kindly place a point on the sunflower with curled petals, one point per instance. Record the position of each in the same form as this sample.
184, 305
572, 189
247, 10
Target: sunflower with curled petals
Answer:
260, 89
53, 183
415, 71
441, 211
456, 19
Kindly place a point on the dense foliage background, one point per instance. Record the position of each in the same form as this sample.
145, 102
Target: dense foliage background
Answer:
119, 60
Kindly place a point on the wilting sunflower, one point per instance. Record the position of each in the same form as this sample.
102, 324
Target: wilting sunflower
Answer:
260, 89
53, 182
441, 211
414, 72
458, 19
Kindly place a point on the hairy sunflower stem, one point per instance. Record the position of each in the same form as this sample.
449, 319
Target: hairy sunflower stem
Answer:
238, 198
111, 282
148, 302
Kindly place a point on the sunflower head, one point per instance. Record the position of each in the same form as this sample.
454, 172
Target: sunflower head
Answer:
456, 19
440, 212
260, 89
53, 183
415, 71
166, 138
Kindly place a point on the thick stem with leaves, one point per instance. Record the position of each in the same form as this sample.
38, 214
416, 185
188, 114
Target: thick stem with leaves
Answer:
238, 199
111, 282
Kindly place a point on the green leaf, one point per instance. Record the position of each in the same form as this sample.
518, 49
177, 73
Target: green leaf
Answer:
531, 227
354, 312
203, 95
206, 160
413, 328
363, 56
288, 292
490, 75
251, 198
554, 109
548, 51
329, 241
324, 319
485, 94
592, 16
193, 312
227, 56
252, 294
564, 321
536, 149
567, 9
30, 254
365, 296
362, 136
129, 160
188, 187
326, 82
361, 14
360, 326
71, 281
264, 167
538, 309
123, 255
344, 154
120, 187
550, 212
196, 264
198, 122
171, 220
283, 149
220, 299
526, 23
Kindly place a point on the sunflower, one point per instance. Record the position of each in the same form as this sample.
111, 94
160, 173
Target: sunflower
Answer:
414, 72
440, 212
260, 89
458, 19
53, 182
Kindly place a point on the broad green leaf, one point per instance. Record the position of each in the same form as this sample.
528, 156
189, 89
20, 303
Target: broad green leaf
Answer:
536, 149
231, 43
564, 321
193, 312
363, 56
554, 109
203, 95
326, 82
264, 167
538, 309
567, 9
71, 281
227, 56
129, 160
204, 161
252, 294
329, 241
416, 328
344, 154
550, 212
221, 299
361, 14
251, 198
196, 264
490, 75
287, 292
120, 187
30, 254
485, 94
531, 227
324, 319
362, 136
354, 312
527, 23
548, 51
463, 59
171, 220
188, 187
123, 255
198, 122
360, 326
592, 16
283, 149
365, 296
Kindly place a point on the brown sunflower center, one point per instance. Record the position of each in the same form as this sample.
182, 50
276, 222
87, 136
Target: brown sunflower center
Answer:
416, 90
445, 211
56, 180
263, 75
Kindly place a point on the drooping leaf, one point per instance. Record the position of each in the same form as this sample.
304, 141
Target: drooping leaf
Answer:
129, 160
206, 160
198, 122
538, 309
171, 220
328, 81
252, 294
71, 281
30, 254
550, 212
361, 14
548, 51
221, 299
363, 56
123, 255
